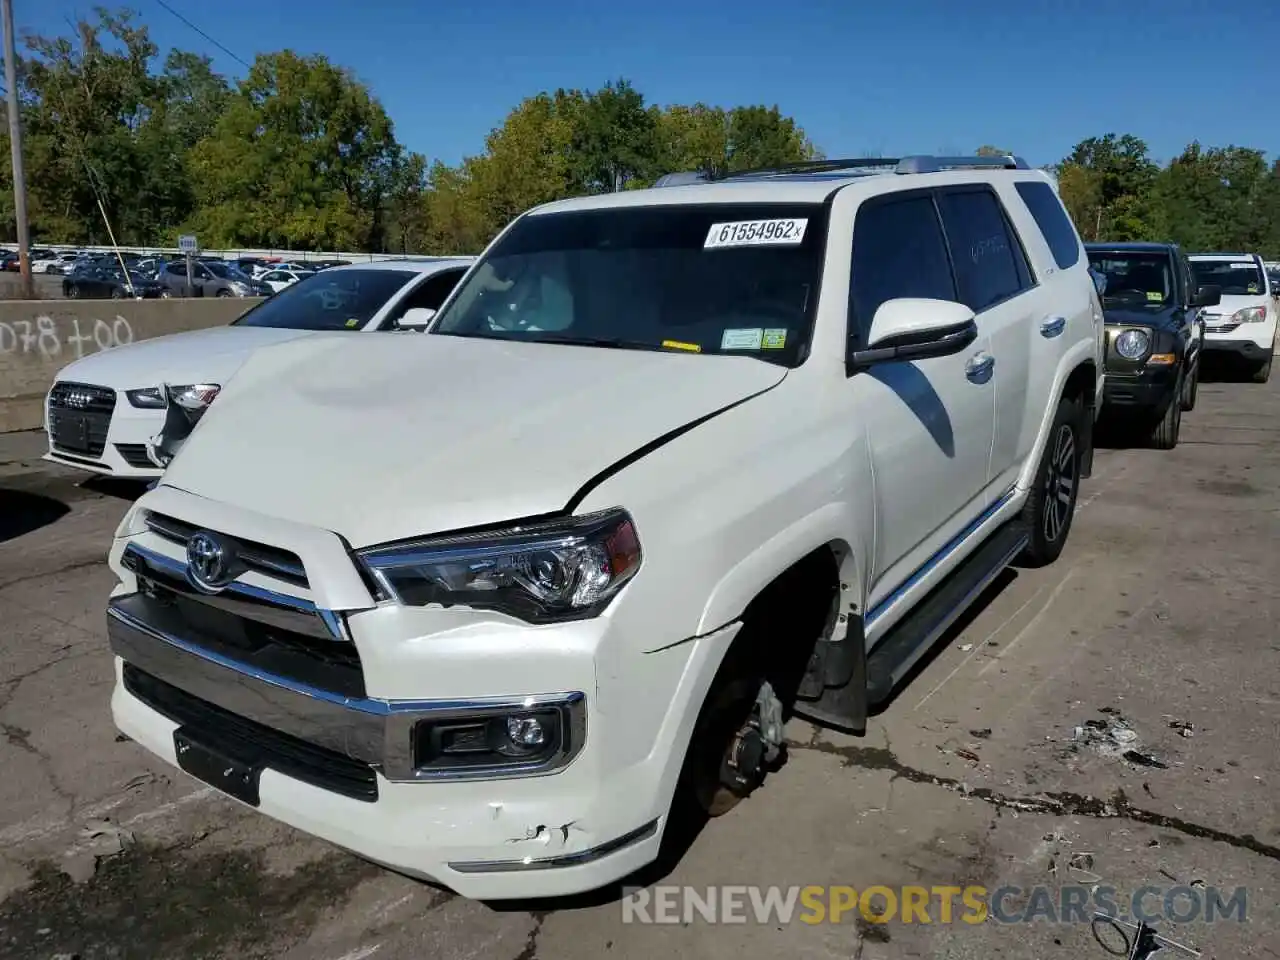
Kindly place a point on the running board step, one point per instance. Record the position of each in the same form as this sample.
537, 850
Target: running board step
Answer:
910, 639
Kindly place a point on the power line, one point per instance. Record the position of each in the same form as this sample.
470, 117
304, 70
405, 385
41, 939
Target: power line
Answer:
203, 34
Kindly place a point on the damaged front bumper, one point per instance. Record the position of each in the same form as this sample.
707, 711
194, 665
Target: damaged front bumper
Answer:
348, 769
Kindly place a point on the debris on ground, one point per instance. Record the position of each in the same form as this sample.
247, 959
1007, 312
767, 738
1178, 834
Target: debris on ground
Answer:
983, 734
99, 839
1144, 759
1185, 728
966, 647
1081, 867
1113, 736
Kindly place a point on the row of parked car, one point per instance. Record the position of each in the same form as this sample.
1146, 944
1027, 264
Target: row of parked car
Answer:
490, 569
1167, 311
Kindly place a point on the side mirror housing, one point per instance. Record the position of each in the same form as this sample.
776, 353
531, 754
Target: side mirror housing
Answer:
911, 328
416, 318
1210, 295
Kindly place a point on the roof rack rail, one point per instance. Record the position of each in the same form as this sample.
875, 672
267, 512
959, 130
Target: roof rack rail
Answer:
922, 163
927, 164
814, 166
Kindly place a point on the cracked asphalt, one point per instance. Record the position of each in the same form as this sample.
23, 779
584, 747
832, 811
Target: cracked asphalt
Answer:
992, 766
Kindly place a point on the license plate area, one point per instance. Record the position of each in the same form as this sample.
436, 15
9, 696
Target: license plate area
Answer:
216, 767
73, 431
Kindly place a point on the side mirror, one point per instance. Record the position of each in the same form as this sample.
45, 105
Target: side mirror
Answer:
1210, 295
1099, 281
911, 328
415, 318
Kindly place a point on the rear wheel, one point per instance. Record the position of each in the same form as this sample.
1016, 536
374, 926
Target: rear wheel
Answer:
1051, 504
73, 292
1164, 436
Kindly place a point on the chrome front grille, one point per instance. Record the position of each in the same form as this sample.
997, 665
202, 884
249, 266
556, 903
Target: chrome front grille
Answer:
258, 557
79, 417
257, 628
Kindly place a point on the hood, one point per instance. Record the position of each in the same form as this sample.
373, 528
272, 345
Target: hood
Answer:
1120, 316
211, 355
392, 436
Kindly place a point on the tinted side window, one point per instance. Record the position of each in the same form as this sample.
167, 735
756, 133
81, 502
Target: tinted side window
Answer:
898, 251
983, 252
1052, 220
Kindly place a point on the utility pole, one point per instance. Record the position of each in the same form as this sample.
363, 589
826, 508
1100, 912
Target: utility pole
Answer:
15, 142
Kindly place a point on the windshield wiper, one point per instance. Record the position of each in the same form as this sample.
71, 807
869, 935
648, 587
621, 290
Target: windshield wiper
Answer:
614, 343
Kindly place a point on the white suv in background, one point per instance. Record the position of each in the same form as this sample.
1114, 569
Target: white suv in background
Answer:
1243, 325
493, 604
105, 413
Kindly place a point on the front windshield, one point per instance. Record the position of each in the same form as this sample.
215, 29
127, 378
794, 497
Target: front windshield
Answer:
1239, 278
338, 300
1135, 279
714, 278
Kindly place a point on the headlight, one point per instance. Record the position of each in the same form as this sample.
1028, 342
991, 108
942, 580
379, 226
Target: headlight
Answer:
194, 397
148, 398
565, 569
1133, 344
1250, 315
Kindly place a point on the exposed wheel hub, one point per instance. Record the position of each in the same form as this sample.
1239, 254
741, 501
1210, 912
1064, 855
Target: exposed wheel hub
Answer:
756, 745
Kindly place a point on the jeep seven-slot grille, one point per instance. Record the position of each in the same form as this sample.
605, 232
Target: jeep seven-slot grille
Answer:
272, 561
79, 417
253, 743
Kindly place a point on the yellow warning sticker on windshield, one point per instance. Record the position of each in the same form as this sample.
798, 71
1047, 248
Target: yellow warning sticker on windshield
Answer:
775, 338
681, 345
1154, 296
353, 322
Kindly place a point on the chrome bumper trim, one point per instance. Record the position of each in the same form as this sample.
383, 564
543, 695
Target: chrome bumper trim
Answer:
377, 732
563, 860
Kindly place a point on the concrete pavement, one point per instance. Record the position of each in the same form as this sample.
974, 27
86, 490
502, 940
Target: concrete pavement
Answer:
998, 764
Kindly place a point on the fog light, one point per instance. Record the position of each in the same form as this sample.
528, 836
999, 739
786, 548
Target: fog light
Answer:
526, 731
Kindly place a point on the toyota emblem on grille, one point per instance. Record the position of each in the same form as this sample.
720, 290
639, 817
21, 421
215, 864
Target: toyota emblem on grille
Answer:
208, 562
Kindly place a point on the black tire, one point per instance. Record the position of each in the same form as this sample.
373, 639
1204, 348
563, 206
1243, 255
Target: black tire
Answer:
1263, 373
1191, 389
117, 293
223, 293
728, 705
1051, 505
1164, 435
73, 292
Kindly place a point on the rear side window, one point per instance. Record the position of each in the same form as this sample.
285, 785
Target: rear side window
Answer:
898, 251
1052, 220
985, 255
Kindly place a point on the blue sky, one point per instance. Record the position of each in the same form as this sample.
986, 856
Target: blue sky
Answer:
907, 76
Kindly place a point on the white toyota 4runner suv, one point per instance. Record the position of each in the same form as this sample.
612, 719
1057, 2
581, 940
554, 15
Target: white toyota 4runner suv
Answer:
491, 604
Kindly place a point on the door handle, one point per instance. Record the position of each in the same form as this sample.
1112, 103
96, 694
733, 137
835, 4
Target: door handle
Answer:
1053, 326
980, 367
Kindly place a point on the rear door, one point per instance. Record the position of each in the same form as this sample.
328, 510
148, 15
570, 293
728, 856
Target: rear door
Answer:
994, 280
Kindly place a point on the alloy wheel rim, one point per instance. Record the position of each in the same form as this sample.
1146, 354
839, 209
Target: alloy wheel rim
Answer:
1060, 484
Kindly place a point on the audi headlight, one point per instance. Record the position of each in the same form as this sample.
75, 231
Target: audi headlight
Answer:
148, 398
1250, 315
1133, 344
194, 397
564, 569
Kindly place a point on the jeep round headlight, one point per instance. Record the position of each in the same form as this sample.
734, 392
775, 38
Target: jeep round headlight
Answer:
1133, 344
563, 569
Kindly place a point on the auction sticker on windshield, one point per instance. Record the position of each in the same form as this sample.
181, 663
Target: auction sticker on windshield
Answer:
756, 233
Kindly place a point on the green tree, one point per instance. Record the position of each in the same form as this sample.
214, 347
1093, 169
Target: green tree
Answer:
613, 141
303, 156
1120, 176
